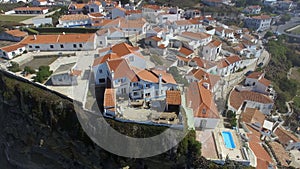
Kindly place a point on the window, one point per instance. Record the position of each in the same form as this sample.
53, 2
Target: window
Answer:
74, 46
156, 93
147, 94
37, 47
80, 45
131, 58
61, 46
100, 70
4, 54
100, 42
30, 46
101, 80
135, 93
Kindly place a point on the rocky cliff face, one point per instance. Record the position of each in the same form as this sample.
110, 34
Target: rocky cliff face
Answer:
39, 129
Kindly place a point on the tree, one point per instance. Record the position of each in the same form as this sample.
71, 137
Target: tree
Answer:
268, 34
43, 74
178, 78
29, 70
14, 67
285, 18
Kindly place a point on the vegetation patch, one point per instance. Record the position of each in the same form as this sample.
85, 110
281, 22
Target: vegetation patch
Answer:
43, 74
13, 18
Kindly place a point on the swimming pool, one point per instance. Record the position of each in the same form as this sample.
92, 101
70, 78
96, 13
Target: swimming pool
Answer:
228, 139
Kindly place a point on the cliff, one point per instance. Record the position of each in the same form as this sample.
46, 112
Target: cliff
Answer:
39, 129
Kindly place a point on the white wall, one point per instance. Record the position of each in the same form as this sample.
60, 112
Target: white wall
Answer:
136, 61
66, 46
210, 122
10, 55
64, 79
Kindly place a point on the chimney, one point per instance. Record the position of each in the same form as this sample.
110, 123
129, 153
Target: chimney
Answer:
112, 75
63, 33
34, 37
205, 85
159, 79
205, 77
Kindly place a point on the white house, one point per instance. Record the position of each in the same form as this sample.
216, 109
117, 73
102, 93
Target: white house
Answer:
118, 12
94, 7
31, 10
9, 52
199, 75
76, 8
258, 23
109, 103
151, 84
229, 65
200, 100
287, 139
65, 75
254, 9
240, 99
125, 51
212, 50
259, 84
106, 34
13, 35
61, 42
39, 2
74, 20
150, 13
198, 37
134, 27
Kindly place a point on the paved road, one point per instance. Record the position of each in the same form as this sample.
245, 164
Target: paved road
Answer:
292, 23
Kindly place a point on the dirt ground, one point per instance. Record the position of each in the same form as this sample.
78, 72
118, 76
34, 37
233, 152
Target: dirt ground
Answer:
41, 61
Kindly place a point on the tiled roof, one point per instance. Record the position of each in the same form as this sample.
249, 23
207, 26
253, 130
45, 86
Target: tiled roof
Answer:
183, 22
233, 59
155, 7
255, 75
261, 154
123, 49
73, 17
183, 58
108, 31
214, 44
201, 101
75, 72
16, 33
30, 8
265, 81
206, 64
222, 63
186, 51
109, 98
145, 75
251, 115
238, 97
129, 12
262, 17
203, 76
219, 29
198, 35
121, 69
173, 97
155, 38
13, 47
166, 77
96, 14
78, 6
100, 60
136, 23
280, 153
285, 136
61, 38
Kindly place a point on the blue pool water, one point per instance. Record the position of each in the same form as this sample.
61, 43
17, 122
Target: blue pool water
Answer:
228, 139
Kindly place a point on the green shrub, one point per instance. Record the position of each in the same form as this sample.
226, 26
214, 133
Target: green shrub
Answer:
15, 67
29, 70
43, 74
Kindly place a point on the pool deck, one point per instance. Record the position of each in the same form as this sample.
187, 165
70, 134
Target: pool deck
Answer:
233, 154
208, 147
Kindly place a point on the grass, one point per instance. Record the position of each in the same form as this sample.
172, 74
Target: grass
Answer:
13, 18
296, 31
40, 61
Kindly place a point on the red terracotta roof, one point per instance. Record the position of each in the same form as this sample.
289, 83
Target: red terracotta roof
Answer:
109, 98
155, 7
183, 58
100, 60
262, 17
34, 8
75, 72
121, 69
173, 97
61, 38
251, 115
96, 14
123, 49
186, 51
281, 154
238, 97
233, 59
166, 77
255, 75
155, 38
198, 35
13, 47
73, 17
203, 76
16, 33
145, 75
129, 12
285, 136
261, 154
201, 101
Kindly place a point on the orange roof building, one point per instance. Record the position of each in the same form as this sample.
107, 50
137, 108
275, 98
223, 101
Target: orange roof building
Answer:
60, 42
11, 51
31, 10
243, 98
173, 97
201, 101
